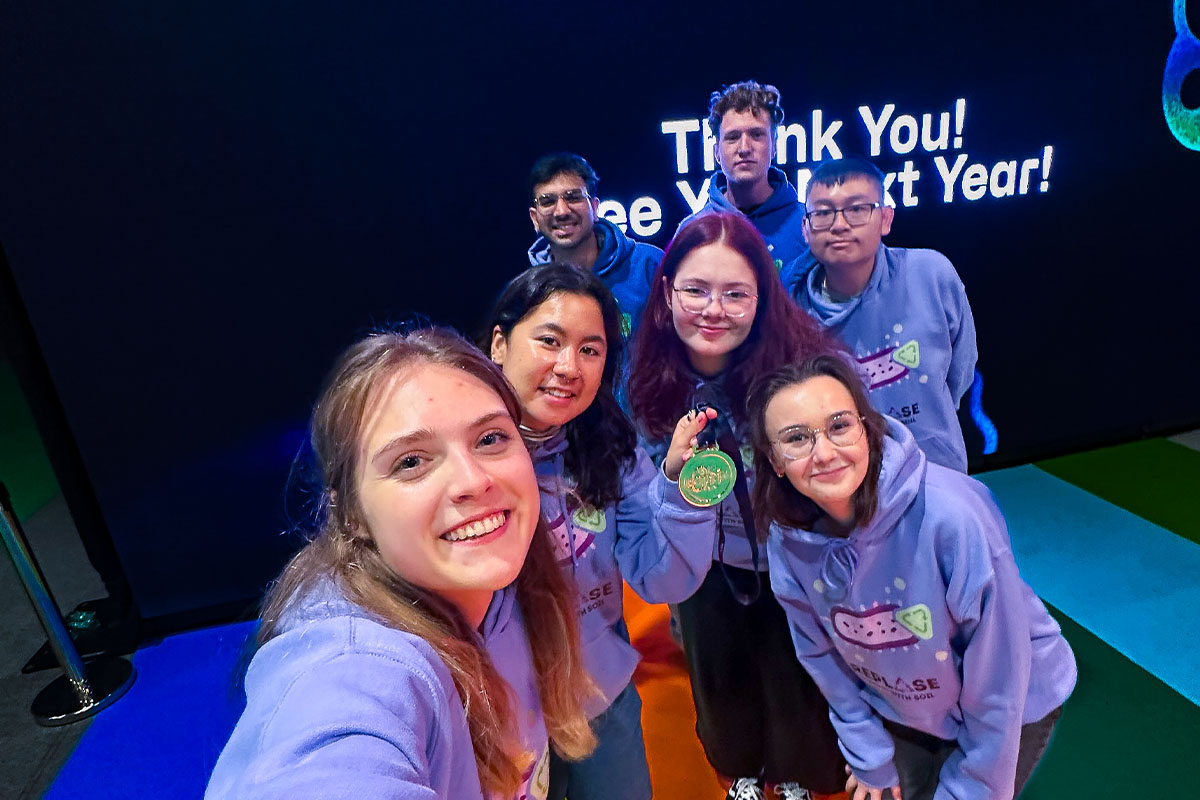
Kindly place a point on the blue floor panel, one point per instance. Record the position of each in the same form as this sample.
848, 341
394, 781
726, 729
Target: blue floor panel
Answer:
1129, 581
162, 738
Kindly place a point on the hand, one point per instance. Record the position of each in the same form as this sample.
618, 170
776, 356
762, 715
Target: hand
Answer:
683, 441
860, 791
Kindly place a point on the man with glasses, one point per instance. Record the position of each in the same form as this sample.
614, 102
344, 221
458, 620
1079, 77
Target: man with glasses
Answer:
745, 118
902, 312
563, 209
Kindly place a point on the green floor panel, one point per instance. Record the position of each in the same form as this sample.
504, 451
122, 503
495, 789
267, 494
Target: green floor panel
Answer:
1156, 479
24, 467
1123, 733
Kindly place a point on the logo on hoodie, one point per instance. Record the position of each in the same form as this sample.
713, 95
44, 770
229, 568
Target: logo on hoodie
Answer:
883, 627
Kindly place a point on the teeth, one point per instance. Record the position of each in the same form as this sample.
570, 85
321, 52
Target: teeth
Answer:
557, 393
476, 529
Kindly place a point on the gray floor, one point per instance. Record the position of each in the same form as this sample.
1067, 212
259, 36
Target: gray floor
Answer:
30, 756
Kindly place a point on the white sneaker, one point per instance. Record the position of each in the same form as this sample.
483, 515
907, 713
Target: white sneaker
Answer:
792, 791
745, 789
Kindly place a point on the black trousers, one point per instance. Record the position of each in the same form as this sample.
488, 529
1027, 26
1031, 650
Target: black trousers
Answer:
757, 710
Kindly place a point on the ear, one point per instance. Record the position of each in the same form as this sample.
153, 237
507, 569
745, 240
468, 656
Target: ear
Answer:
804, 230
533, 218
886, 215
667, 291
775, 463
595, 203
499, 346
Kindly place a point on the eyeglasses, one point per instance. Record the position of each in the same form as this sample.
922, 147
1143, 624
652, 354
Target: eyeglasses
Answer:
842, 430
572, 197
694, 299
855, 215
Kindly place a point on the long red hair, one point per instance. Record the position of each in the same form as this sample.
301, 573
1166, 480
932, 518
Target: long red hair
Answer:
661, 380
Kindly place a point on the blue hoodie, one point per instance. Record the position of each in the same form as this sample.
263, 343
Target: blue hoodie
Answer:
340, 705
660, 544
921, 617
913, 335
625, 266
780, 219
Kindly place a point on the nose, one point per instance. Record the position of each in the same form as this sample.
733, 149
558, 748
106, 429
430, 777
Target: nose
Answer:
561, 207
839, 220
823, 449
714, 309
567, 363
743, 144
469, 477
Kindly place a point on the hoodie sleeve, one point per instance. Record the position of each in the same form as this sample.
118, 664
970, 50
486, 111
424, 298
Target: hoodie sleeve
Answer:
664, 546
352, 725
960, 322
985, 599
864, 741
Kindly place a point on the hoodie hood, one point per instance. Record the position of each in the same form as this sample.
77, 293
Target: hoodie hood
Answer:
900, 480
615, 247
783, 198
808, 280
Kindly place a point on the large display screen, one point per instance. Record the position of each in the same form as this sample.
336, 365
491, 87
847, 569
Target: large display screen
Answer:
203, 203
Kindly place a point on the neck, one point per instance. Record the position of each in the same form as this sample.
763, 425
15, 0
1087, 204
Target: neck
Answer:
581, 255
708, 366
841, 513
535, 436
849, 279
473, 603
746, 195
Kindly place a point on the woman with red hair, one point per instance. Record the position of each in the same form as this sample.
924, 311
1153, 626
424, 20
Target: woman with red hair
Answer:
718, 317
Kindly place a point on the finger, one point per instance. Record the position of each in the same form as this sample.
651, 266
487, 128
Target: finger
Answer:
896, 793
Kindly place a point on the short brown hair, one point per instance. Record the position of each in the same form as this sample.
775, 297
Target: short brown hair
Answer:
741, 96
775, 499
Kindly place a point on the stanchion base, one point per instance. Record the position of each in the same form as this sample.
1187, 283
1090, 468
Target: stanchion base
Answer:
59, 703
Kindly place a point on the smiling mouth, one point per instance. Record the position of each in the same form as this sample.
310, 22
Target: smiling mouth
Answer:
476, 528
561, 394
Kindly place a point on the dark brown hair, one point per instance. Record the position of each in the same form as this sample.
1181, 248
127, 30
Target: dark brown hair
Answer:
746, 95
661, 381
340, 552
775, 499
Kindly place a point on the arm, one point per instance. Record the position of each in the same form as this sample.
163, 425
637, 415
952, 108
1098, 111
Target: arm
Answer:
964, 351
983, 594
371, 724
864, 742
663, 545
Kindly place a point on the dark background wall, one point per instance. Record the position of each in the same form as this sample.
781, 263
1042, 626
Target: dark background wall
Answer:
202, 203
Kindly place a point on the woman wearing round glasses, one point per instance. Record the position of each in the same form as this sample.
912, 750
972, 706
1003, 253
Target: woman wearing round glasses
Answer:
944, 673
556, 332
718, 318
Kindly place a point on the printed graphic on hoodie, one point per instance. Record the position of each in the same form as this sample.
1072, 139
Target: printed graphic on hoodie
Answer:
574, 527
894, 362
537, 778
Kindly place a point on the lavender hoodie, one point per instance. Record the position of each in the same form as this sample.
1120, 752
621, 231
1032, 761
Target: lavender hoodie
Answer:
921, 617
342, 706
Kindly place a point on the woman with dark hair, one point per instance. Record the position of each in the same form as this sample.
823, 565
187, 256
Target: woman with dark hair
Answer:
423, 644
718, 318
556, 332
944, 673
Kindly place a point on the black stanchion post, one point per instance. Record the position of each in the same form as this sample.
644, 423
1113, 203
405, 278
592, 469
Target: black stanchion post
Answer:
85, 687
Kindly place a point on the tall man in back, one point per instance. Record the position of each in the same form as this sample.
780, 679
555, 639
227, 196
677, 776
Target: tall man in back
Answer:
902, 312
745, 118
564, 211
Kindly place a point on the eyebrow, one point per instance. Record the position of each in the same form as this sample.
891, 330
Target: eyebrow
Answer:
421, 434
561, 331
852, 199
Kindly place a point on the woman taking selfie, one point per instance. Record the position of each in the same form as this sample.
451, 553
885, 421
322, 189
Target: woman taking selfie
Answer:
944, 673
719, 317
423, 644
556, 332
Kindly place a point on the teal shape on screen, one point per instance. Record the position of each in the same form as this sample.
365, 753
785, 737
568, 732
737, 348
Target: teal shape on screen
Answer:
1184, 57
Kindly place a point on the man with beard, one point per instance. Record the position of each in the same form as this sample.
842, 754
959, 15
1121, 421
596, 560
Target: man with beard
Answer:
563, 209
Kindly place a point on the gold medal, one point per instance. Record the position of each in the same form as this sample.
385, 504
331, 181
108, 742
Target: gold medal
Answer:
707, 477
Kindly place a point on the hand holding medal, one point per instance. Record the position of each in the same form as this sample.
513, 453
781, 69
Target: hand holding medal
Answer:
706, 475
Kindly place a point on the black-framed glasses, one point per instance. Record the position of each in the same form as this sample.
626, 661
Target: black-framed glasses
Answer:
842, 430
855, 215
572, 197
735, 302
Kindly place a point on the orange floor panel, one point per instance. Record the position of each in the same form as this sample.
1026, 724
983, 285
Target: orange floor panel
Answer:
678, 768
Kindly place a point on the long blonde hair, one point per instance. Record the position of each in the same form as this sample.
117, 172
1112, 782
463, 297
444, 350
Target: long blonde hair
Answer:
353, 562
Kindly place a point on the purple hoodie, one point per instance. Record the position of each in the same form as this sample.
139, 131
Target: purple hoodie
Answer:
652, 538
342, 706
921, 617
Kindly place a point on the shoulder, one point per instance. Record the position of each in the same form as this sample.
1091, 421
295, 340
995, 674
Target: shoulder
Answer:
964, 513
923, 264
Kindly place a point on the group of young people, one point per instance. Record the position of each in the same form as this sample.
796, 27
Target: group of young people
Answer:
846, 596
